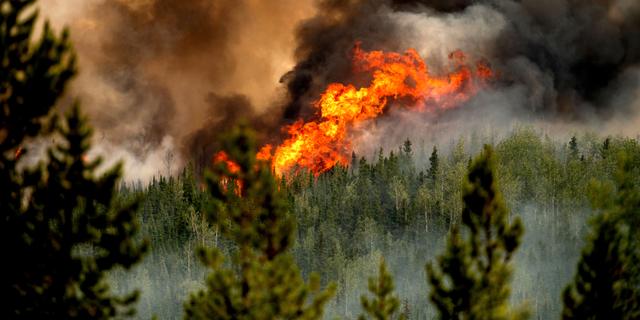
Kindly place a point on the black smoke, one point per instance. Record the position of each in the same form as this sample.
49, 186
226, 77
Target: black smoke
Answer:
583, 46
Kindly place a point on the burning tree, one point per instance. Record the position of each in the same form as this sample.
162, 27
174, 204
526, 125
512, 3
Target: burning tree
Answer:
319, 145
263, 281
61, 230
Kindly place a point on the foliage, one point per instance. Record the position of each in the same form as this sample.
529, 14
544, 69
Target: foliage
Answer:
383, 305
61, 227
263, 281
471, 280
606, 285
347, 218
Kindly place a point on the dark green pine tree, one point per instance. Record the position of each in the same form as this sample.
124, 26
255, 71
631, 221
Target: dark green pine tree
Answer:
607, 284
407, 149
262, 280
60, 230
471, 279
573, 148
433, 166
384, 305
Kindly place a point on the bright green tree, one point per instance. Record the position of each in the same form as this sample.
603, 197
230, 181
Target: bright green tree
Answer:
471, 279
606, 284
384, 305
61, 230
261, 281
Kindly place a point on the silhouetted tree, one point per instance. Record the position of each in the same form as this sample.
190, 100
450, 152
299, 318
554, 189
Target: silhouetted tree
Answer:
573, 148
61, 228
606, 283
433, 165
407, 148
471, 279
263, 281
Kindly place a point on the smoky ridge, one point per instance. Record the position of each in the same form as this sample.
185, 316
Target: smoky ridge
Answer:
157, 63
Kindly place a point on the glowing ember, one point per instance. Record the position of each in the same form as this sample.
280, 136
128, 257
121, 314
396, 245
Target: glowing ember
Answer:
318, 145
18, 153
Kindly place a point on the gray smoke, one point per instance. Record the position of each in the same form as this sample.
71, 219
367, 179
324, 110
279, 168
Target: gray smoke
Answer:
161, 76
568, 65
149, 70
570, 55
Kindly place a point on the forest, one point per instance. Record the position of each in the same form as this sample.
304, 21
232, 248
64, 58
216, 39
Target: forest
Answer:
520, 225
400, 205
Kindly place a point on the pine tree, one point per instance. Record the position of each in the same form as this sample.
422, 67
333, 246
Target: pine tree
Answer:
604, 149
406, 148
384, 304
573, 148
60, 227
433, 165
262, 280
354, 163
606, 285
471, 279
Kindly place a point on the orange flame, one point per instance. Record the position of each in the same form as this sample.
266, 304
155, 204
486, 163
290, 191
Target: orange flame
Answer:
233, 167
222, 157
18, 153
319, 145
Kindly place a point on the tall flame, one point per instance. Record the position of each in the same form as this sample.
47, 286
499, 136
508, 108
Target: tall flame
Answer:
318, 145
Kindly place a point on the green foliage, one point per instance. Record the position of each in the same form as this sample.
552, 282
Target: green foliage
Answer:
606, 285
61, 228
471, 280
263, 281
384, 305
433, 165
33, 75
346, 218
573, 148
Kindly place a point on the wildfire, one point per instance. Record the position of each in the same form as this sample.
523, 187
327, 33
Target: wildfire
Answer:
233, 167
222, 157
318, 145
18, 153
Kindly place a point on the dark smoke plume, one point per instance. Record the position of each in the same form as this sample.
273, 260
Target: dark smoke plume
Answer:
576, 50
149, 68
171, 75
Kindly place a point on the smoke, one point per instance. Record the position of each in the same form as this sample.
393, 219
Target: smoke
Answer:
569, 53
158, 74
149, 69
563, 63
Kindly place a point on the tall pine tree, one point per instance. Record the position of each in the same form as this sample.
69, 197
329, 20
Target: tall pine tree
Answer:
433, 166
384, 305
471, 279
262, 280
60, 229
606, 284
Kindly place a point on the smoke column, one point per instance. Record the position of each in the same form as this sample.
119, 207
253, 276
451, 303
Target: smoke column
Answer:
161, 76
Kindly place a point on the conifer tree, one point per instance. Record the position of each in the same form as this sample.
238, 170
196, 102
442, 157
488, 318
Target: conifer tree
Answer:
61, 232
261, 280
604, 149
573, 148
407, 148
384, 305
606, 285
471, 279
433, 165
